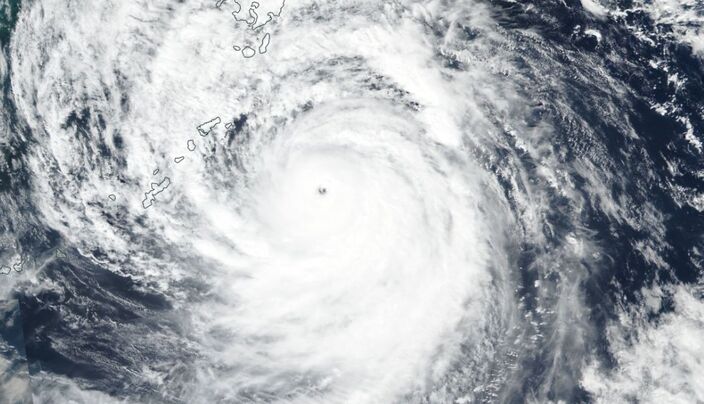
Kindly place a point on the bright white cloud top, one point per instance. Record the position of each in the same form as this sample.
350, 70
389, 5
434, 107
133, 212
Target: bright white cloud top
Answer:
389, 203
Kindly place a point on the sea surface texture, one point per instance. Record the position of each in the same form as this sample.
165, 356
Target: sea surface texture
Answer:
351, 201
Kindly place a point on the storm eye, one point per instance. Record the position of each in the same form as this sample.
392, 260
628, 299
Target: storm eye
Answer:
322, 190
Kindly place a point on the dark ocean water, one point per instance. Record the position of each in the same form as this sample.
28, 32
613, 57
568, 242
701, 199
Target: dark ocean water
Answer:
608, 111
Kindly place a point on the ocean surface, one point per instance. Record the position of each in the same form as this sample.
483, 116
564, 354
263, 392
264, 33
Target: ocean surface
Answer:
348, 201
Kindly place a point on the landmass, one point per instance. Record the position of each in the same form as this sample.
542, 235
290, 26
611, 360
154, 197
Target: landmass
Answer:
248, 51
265, 43
157, 188
17, 266
257, 13
205, 128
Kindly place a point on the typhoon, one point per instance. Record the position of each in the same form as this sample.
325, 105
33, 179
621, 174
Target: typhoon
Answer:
363, 202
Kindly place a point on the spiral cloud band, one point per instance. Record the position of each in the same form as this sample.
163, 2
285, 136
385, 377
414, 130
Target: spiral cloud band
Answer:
344, 202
